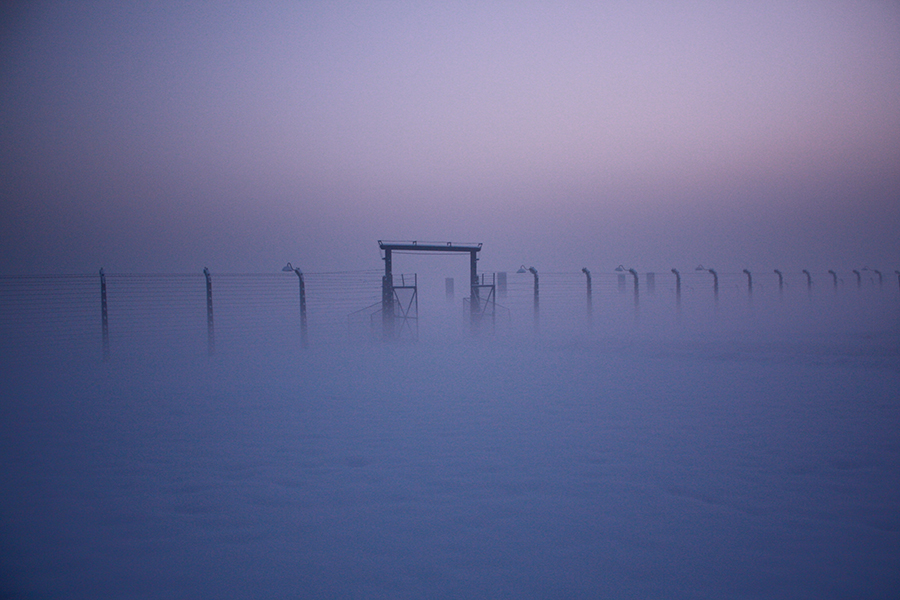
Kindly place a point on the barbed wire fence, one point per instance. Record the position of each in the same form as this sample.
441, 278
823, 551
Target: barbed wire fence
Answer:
240, 312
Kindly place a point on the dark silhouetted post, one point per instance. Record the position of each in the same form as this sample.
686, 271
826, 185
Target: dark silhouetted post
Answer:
210, 324
715, 281
304, 339
387, 297
808, 282
715, 284
677, 290
780, 283
898, 277
634, 274
474, 300
858, 278
877, 272
749, 283
590, 307
537, 299
104, 316
834, 277
637, 294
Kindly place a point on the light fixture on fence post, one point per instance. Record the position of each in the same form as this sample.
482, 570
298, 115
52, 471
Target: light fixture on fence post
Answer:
715, 281
303, 332
537, 295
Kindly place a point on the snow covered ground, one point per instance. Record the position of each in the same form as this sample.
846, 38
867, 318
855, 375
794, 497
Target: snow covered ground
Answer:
507, 467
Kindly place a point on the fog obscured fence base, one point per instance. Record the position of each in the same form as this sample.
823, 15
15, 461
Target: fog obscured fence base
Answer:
122, 315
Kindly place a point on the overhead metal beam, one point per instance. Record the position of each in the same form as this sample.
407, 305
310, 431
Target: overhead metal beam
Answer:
428, 246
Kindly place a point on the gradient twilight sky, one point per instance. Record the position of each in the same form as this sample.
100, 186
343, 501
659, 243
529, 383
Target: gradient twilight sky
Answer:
150, 137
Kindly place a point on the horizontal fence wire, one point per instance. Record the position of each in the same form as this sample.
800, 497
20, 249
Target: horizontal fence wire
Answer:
169, 312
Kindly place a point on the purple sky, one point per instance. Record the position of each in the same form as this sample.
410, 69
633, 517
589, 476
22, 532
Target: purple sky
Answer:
238, 135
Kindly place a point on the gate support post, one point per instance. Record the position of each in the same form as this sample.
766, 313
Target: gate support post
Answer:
474, 300
387, 297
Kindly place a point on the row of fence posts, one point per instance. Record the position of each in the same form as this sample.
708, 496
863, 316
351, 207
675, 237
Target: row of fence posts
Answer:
210, 319
651, 283
651, 280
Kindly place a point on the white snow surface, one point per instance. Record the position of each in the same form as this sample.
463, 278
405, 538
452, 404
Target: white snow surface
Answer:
459, 468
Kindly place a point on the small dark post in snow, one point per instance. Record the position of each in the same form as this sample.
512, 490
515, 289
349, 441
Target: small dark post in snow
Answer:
474, 290
858, 278
749, 283
637, 296
898, 277
808, 282
590, 308
715, 281
834, 277
677, 290
537, 299
104, 316
780, 282
387, 297
303, 331
210, 324
877, 272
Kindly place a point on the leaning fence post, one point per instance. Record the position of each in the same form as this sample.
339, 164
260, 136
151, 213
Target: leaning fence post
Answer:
104, 316
210, 324
590, 307
677, 290
303, 333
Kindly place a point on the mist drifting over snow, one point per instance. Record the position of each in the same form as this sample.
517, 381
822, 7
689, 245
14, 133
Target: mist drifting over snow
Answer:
732, 454
674, 435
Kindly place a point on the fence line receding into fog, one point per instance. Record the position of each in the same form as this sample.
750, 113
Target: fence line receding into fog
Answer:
206, 312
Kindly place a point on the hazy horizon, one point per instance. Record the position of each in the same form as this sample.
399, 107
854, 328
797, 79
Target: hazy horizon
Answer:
152, 138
